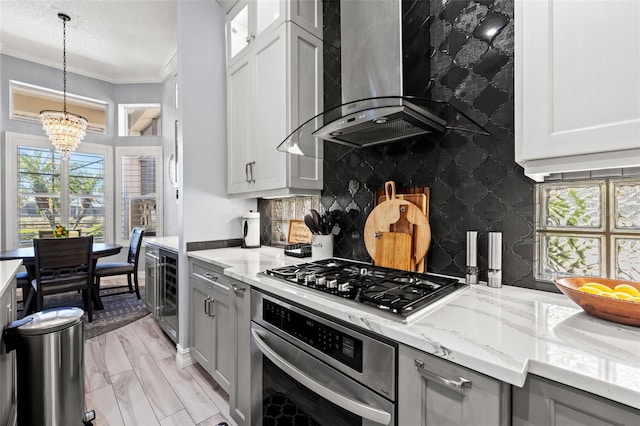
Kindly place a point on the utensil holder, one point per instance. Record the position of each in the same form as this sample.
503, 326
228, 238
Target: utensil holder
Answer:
321, 246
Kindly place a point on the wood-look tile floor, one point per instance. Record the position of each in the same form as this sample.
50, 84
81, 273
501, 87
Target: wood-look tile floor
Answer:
131, 378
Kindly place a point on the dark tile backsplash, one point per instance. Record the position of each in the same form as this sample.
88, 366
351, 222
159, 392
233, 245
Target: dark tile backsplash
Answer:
465, 56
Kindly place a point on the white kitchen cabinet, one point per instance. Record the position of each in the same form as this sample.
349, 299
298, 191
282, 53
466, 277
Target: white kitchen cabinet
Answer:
541, 402
249, 20
433, 391
577, 91
211, 322
271, 90
7, 360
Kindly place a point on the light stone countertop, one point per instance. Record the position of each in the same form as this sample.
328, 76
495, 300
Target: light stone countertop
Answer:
170, 243
8, 269
504, 333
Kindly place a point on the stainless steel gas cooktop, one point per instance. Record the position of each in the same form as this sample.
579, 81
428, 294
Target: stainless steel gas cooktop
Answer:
399, 292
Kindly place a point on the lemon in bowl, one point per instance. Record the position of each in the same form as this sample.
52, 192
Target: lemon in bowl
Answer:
603, 288
628, 289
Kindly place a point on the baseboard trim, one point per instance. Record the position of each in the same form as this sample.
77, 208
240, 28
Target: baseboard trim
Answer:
183, 357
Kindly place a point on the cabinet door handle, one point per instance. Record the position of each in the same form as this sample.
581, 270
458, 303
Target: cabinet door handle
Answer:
211, 277
211, 314
246, 172
237, 289
252, 164
206, 305
459, 384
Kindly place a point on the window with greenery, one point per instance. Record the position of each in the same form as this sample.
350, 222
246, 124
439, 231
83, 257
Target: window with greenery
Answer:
43, 191
52, 192
588, 228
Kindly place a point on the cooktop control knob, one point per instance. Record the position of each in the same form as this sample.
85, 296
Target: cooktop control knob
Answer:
344, 287
332, 283
300, 276
321, 281
310, 279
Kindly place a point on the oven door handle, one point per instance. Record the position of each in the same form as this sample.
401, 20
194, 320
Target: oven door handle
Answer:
356, 407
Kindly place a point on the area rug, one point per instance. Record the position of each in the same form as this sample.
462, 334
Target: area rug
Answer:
119, 310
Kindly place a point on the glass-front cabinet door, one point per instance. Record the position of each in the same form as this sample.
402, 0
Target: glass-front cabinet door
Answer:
247, 21
237, 31
269, 14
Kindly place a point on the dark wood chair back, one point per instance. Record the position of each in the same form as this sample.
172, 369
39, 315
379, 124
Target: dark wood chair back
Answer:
49, 234
128, 268
134, 245
61, 265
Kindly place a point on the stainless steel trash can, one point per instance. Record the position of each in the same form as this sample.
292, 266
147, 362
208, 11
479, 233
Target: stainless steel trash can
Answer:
50, 367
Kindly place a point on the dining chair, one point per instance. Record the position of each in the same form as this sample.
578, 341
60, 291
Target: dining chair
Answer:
49, 234
130, 267
63, 264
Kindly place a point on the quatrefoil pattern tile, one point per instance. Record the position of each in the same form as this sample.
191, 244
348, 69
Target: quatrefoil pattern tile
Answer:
474, 180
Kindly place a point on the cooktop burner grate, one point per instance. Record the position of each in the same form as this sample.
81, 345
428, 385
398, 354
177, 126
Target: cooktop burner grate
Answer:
392, 290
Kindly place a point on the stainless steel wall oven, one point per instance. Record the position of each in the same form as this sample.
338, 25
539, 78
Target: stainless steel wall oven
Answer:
316, 371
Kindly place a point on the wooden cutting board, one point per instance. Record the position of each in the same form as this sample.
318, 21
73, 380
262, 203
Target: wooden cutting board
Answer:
389, 213
420, 197
393, 250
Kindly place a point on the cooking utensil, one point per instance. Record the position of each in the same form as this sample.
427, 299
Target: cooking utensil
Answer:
419, 197
388, 213
316, 218
311, 224
393, 250
404, 226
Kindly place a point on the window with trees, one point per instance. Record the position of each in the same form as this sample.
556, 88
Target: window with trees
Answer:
44, 191
588, 228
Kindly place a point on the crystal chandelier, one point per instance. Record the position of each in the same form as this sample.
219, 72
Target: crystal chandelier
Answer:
65, 129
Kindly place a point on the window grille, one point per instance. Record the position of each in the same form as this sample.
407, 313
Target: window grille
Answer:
139, 174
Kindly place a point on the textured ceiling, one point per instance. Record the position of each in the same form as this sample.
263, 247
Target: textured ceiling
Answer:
118, 41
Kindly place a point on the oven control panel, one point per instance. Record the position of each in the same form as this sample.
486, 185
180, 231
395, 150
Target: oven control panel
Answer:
336, 344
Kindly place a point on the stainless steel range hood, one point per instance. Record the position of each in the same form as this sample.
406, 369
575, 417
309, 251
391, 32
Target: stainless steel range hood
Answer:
375, 107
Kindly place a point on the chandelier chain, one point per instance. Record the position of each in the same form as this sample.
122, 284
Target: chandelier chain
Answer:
64, 65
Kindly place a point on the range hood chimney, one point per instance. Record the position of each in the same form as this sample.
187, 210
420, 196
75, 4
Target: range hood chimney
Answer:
376, 107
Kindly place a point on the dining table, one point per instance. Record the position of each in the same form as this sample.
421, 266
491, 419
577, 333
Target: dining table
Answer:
28, 260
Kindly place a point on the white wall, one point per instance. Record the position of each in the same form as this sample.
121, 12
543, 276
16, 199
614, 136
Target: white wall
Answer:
205, 211
169, 115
